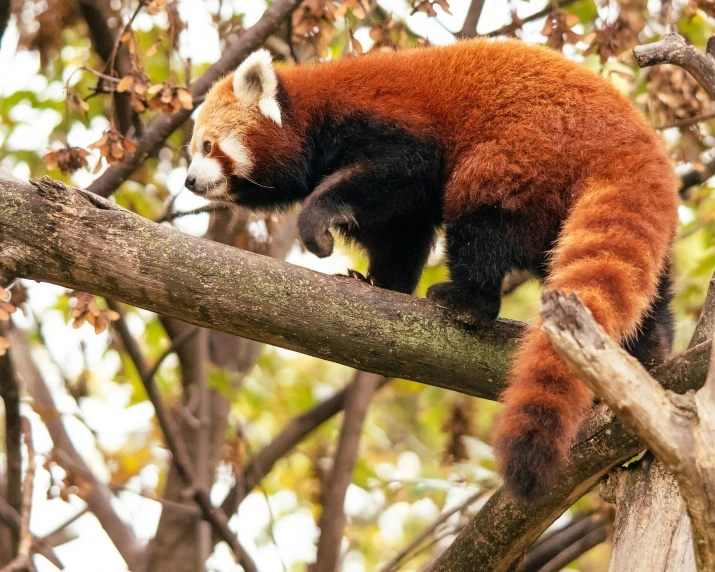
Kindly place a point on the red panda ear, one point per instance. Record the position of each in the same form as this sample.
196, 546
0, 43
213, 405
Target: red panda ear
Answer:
255, 84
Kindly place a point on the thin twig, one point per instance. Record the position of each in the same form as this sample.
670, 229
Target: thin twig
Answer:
25, 535
397, 561
686, 122
165, 124
175, 444
23, 560
509, 28
10, 391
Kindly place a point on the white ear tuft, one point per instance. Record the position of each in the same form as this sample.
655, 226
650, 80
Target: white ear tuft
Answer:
271, 109
255, 83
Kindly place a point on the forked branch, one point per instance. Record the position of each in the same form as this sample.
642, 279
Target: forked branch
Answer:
680, 429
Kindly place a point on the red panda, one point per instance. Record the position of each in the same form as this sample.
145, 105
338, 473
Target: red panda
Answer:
527, 160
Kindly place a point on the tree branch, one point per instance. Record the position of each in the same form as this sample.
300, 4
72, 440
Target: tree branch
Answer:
11, 519
92, 245
165, 124
704, 328
469, 29
103, 39
260, 464
672, 49
10, 391
509, 28
5, 12
679, 429
409, 550
98, 497
505, 527
175, 444
332, 519
550, 549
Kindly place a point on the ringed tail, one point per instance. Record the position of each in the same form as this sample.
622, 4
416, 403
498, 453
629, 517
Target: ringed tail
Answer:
612, 250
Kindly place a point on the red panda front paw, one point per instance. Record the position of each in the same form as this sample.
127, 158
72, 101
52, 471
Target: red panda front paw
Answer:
469, 306
314, 224
360, 276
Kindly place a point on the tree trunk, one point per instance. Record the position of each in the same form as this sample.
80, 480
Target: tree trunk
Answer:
652, 528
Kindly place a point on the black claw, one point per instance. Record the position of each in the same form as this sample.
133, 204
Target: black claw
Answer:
359, 276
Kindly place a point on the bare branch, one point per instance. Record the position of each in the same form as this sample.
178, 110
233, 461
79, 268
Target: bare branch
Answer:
509, 28
163, 270
704, 328
550, 549
504, 528
11, 519
165, 124
673, 49
332, 519
175, 444
260, 464
25, 536
679, 429
98, 497
103, 39
469, 29
577, 549
23, 560
10, 391
408, 551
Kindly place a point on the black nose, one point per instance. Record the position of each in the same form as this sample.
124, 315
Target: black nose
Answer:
190, 182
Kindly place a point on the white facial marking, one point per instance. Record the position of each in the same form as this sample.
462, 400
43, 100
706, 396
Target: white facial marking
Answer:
255, 83
210, 181
238, 153
199, 135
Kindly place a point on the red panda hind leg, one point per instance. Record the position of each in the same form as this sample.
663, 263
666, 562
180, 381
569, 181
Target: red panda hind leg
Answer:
612, 250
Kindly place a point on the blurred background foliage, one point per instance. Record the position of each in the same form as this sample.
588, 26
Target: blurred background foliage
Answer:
422, 448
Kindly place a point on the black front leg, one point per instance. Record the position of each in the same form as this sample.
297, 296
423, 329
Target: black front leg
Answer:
387, 208
398, 252
481, 249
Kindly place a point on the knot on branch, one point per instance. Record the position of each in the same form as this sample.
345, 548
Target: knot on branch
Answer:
57, 192
567, 314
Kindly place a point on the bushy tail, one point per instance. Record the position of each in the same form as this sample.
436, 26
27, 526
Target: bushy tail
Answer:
611, 251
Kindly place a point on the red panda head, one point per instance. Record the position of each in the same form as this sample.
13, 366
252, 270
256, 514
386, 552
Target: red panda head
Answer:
241, 107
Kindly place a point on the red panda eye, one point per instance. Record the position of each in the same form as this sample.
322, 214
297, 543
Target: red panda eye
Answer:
207, 147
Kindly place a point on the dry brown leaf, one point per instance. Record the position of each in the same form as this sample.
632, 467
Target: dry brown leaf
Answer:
557, 29
113, 146
66, 159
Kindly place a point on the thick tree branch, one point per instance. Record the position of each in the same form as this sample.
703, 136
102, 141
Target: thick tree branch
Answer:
679, 429
673, 49
57, 234
504, 528
164, 125
332, 519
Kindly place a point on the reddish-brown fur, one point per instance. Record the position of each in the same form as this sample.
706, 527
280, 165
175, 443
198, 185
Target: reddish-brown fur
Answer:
567, 146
